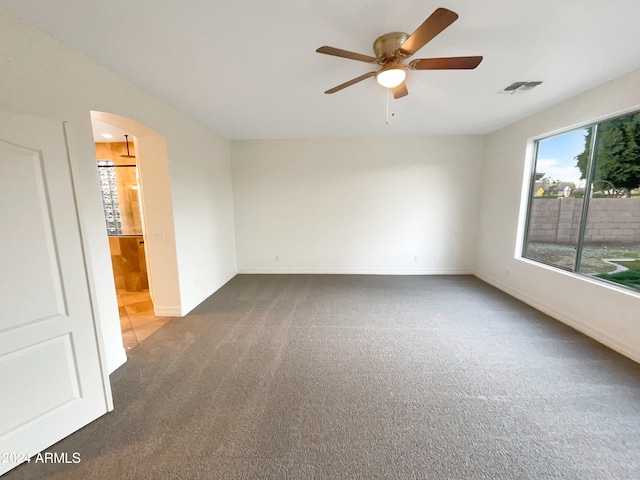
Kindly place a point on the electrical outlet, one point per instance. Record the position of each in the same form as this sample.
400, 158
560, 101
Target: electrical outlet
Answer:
415, 259
277, 258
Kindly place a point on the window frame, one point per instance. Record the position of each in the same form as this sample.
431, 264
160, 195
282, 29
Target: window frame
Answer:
529, 196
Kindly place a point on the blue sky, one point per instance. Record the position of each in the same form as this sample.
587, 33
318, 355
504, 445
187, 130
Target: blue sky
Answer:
556, 156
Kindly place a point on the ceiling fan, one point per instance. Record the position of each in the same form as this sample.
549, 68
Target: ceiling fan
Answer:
391, 49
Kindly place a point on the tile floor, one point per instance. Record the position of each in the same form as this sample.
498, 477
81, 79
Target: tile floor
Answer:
136, 317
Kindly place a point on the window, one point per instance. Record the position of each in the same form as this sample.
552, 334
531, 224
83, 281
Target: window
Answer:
584, 206
119, 187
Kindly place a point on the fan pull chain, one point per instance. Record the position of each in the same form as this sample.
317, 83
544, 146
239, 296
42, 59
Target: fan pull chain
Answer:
392, 113
388, 90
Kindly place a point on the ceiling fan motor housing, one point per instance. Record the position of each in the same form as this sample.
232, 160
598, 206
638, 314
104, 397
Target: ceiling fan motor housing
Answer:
385, 46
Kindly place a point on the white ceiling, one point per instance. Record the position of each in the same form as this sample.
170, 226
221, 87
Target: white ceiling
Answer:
248, 68
102, 128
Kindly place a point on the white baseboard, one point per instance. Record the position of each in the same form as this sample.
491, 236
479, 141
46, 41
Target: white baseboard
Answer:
352, 271
163, 311
186, 309
565, 318
116, 360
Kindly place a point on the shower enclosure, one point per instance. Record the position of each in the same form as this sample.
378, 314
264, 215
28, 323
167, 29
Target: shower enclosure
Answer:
121, 202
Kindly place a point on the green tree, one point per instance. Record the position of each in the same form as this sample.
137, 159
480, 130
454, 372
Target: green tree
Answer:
617, 152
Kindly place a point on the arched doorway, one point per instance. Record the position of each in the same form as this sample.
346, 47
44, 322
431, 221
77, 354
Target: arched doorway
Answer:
139, 218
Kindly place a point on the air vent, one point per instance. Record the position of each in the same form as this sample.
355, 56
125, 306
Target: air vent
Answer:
520, 87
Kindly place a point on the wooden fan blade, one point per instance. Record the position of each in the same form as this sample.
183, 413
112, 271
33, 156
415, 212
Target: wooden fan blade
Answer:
432, 26
346, 54
351, 82
400, 91
449, 63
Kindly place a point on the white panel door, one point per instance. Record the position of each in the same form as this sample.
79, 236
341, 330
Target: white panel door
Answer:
51, 380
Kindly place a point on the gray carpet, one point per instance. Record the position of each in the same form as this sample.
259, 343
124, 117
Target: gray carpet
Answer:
363, 377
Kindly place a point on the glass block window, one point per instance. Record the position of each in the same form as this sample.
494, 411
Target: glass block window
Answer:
109, 189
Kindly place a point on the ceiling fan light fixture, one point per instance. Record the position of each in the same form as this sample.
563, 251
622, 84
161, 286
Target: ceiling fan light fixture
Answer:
392, 75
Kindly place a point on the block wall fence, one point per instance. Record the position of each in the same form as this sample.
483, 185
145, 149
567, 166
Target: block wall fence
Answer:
611, 220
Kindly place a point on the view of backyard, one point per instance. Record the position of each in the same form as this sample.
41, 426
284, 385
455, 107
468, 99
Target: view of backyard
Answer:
605, 226
615, 264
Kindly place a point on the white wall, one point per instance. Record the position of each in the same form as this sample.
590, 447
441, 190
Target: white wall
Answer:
42, 77
158, 225
364, 205
203, 211
608, 314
